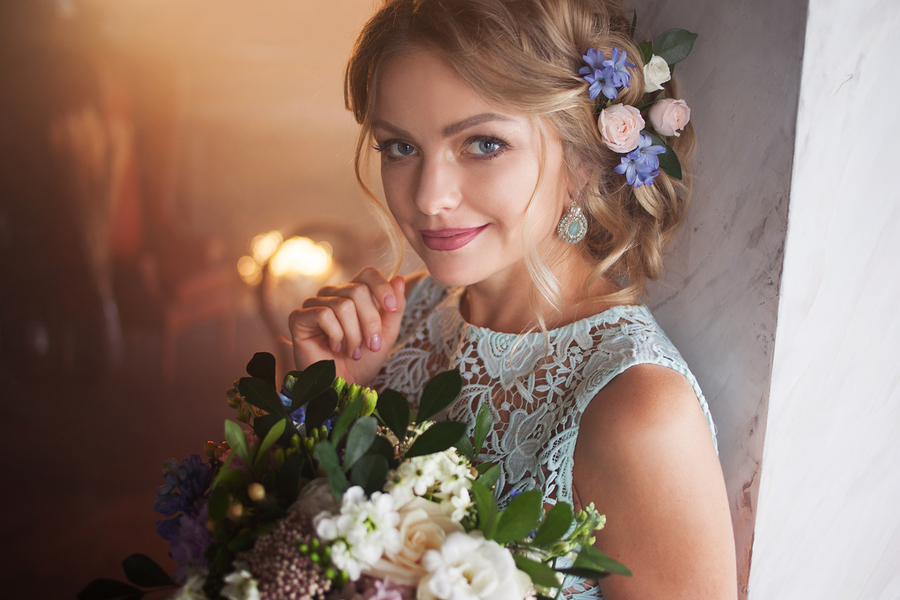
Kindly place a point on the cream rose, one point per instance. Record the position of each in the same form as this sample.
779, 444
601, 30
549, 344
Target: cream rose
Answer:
656, 73
316, 497
469, 566
620, 127
668, 116
423, 527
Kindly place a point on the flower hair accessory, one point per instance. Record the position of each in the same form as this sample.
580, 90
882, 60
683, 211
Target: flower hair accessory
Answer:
623, 128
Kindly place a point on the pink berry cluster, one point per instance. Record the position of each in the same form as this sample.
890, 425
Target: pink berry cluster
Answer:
282, 571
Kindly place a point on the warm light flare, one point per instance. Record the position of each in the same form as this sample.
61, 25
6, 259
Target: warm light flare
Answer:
265, 245
249, 270
301, 256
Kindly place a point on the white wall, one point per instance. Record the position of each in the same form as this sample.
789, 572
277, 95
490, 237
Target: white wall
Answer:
828, 524
719, 298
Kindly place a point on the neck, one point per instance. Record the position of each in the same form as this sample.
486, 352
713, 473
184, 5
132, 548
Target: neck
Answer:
511, 303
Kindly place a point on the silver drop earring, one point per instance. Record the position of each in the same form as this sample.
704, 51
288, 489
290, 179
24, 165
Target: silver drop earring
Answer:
573, 226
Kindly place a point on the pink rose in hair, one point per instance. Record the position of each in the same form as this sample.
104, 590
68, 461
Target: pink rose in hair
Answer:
620, 127
669, 116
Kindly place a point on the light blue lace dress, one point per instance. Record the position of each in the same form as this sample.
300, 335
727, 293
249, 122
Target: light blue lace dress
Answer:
537, 398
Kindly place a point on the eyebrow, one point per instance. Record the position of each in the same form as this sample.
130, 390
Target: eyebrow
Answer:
449, 129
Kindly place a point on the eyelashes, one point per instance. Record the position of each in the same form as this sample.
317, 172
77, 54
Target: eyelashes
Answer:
480, 147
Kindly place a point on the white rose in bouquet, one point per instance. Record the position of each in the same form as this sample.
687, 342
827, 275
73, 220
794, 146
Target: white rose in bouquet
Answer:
469, 566
423, 527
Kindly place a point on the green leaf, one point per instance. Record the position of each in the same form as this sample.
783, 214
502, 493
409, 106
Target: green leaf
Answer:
222, 469
141, 570
646, 50
271, 437
486, 505
320, 408
262, 395
669, 163
359, 440
439, 393
238, 441
489, 478
483, 423
262, 366
109, 589
369, 472
394, 411
539, 573
555, 524
233, 479
242, 541
633, 25
264, 423
328, 459
591, 558
437, 438
351, 412
219, 499
464, 446
287, 482
674, 45
385, 448
311, 382
520, 517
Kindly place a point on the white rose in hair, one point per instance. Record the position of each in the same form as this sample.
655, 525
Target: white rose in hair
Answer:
620, 127
469, 566
423, 527
656, 73
668, 116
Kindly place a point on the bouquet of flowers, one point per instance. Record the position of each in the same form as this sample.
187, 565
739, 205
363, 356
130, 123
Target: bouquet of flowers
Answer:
337, 492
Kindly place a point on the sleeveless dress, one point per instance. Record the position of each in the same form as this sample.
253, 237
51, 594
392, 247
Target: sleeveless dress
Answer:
537, 397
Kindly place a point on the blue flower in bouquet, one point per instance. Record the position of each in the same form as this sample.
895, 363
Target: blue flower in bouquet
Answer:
191, 540
615, 68
185, 483
168, 528
641, 165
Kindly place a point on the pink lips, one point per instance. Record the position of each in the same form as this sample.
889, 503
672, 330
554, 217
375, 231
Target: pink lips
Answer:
445, 240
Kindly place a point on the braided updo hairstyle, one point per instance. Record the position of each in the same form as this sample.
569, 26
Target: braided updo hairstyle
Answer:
525, 54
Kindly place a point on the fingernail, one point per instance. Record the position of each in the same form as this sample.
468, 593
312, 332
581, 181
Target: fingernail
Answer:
338, 347
357, 354
389, 302
375, 343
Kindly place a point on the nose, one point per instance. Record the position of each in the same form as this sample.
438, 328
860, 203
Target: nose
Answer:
438, 187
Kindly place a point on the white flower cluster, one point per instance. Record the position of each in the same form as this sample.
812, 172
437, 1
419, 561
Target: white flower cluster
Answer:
469, 566
361, 532
240, 583
444, 477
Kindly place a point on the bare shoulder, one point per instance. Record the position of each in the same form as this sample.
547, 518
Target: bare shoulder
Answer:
413, 280
646, 459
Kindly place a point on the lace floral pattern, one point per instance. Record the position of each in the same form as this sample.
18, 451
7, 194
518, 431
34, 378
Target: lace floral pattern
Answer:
536, 393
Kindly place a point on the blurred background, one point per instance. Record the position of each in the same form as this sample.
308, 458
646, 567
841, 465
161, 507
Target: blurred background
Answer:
174, 178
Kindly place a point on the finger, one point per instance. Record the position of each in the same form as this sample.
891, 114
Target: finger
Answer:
370, 314
312, 332
344, 310
316, 321
382, 290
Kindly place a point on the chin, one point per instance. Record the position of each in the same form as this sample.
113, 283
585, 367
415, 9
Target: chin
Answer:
452, 276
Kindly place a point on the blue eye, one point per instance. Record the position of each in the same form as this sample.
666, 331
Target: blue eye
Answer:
485, 146
401, 149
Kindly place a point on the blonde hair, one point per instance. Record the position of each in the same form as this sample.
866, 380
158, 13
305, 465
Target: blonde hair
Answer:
525, 54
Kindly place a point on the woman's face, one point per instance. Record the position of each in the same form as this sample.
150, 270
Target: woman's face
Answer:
459, 173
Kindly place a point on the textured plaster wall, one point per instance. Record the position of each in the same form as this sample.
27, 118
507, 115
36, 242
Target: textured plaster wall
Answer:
719, 299
828, 525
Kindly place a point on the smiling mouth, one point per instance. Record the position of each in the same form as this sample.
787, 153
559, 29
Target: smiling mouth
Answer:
445, 240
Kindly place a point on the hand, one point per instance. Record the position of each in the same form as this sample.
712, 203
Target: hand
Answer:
355, 324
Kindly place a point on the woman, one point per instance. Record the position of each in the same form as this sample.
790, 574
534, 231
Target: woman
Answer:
484, 113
